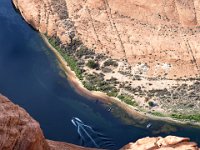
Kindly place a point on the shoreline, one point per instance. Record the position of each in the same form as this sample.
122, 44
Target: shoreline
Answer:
130, 110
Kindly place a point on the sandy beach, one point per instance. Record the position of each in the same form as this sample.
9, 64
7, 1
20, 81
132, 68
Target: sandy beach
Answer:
96, 95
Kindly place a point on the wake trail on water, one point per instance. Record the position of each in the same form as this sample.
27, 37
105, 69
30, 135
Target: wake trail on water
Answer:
91, 138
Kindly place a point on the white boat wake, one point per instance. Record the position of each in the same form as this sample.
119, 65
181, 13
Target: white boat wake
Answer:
89, 137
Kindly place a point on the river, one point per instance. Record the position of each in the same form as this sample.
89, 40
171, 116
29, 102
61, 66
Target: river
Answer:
31, 77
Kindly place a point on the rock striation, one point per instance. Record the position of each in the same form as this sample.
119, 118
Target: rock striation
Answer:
154, 32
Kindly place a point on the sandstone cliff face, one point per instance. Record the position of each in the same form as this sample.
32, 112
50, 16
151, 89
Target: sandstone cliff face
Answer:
154, 32
19, 131
168, 143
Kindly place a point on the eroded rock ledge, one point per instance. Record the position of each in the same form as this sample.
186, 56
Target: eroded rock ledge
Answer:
19, 131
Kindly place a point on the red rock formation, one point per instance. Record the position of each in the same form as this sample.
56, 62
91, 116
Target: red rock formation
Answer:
65, 146
18, 130
148, 31
168, 143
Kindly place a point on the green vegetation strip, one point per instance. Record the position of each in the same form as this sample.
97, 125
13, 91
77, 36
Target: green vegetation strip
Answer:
95, 82
195, 117
156, 113
71, 61
127, 99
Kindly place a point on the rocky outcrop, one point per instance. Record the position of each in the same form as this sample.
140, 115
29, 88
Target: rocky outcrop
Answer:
65, 146
168, 143
19, 131
154, 32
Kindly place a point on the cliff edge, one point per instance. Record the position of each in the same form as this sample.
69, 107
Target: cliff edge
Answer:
18, 130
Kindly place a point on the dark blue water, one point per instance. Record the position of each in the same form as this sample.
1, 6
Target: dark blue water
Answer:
30, 76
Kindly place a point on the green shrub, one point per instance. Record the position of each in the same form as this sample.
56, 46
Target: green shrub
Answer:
89, 86
110, 62
159, 114
112, 93
151, 104
92, 64
84, 51
127, 99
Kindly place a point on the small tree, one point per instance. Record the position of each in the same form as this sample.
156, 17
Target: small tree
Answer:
110, 62
92, 64
151, 104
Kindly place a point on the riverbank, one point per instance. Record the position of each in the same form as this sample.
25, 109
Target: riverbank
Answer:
79, 87
130, 110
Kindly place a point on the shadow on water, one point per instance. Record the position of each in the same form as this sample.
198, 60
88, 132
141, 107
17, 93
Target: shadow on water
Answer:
30, 76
